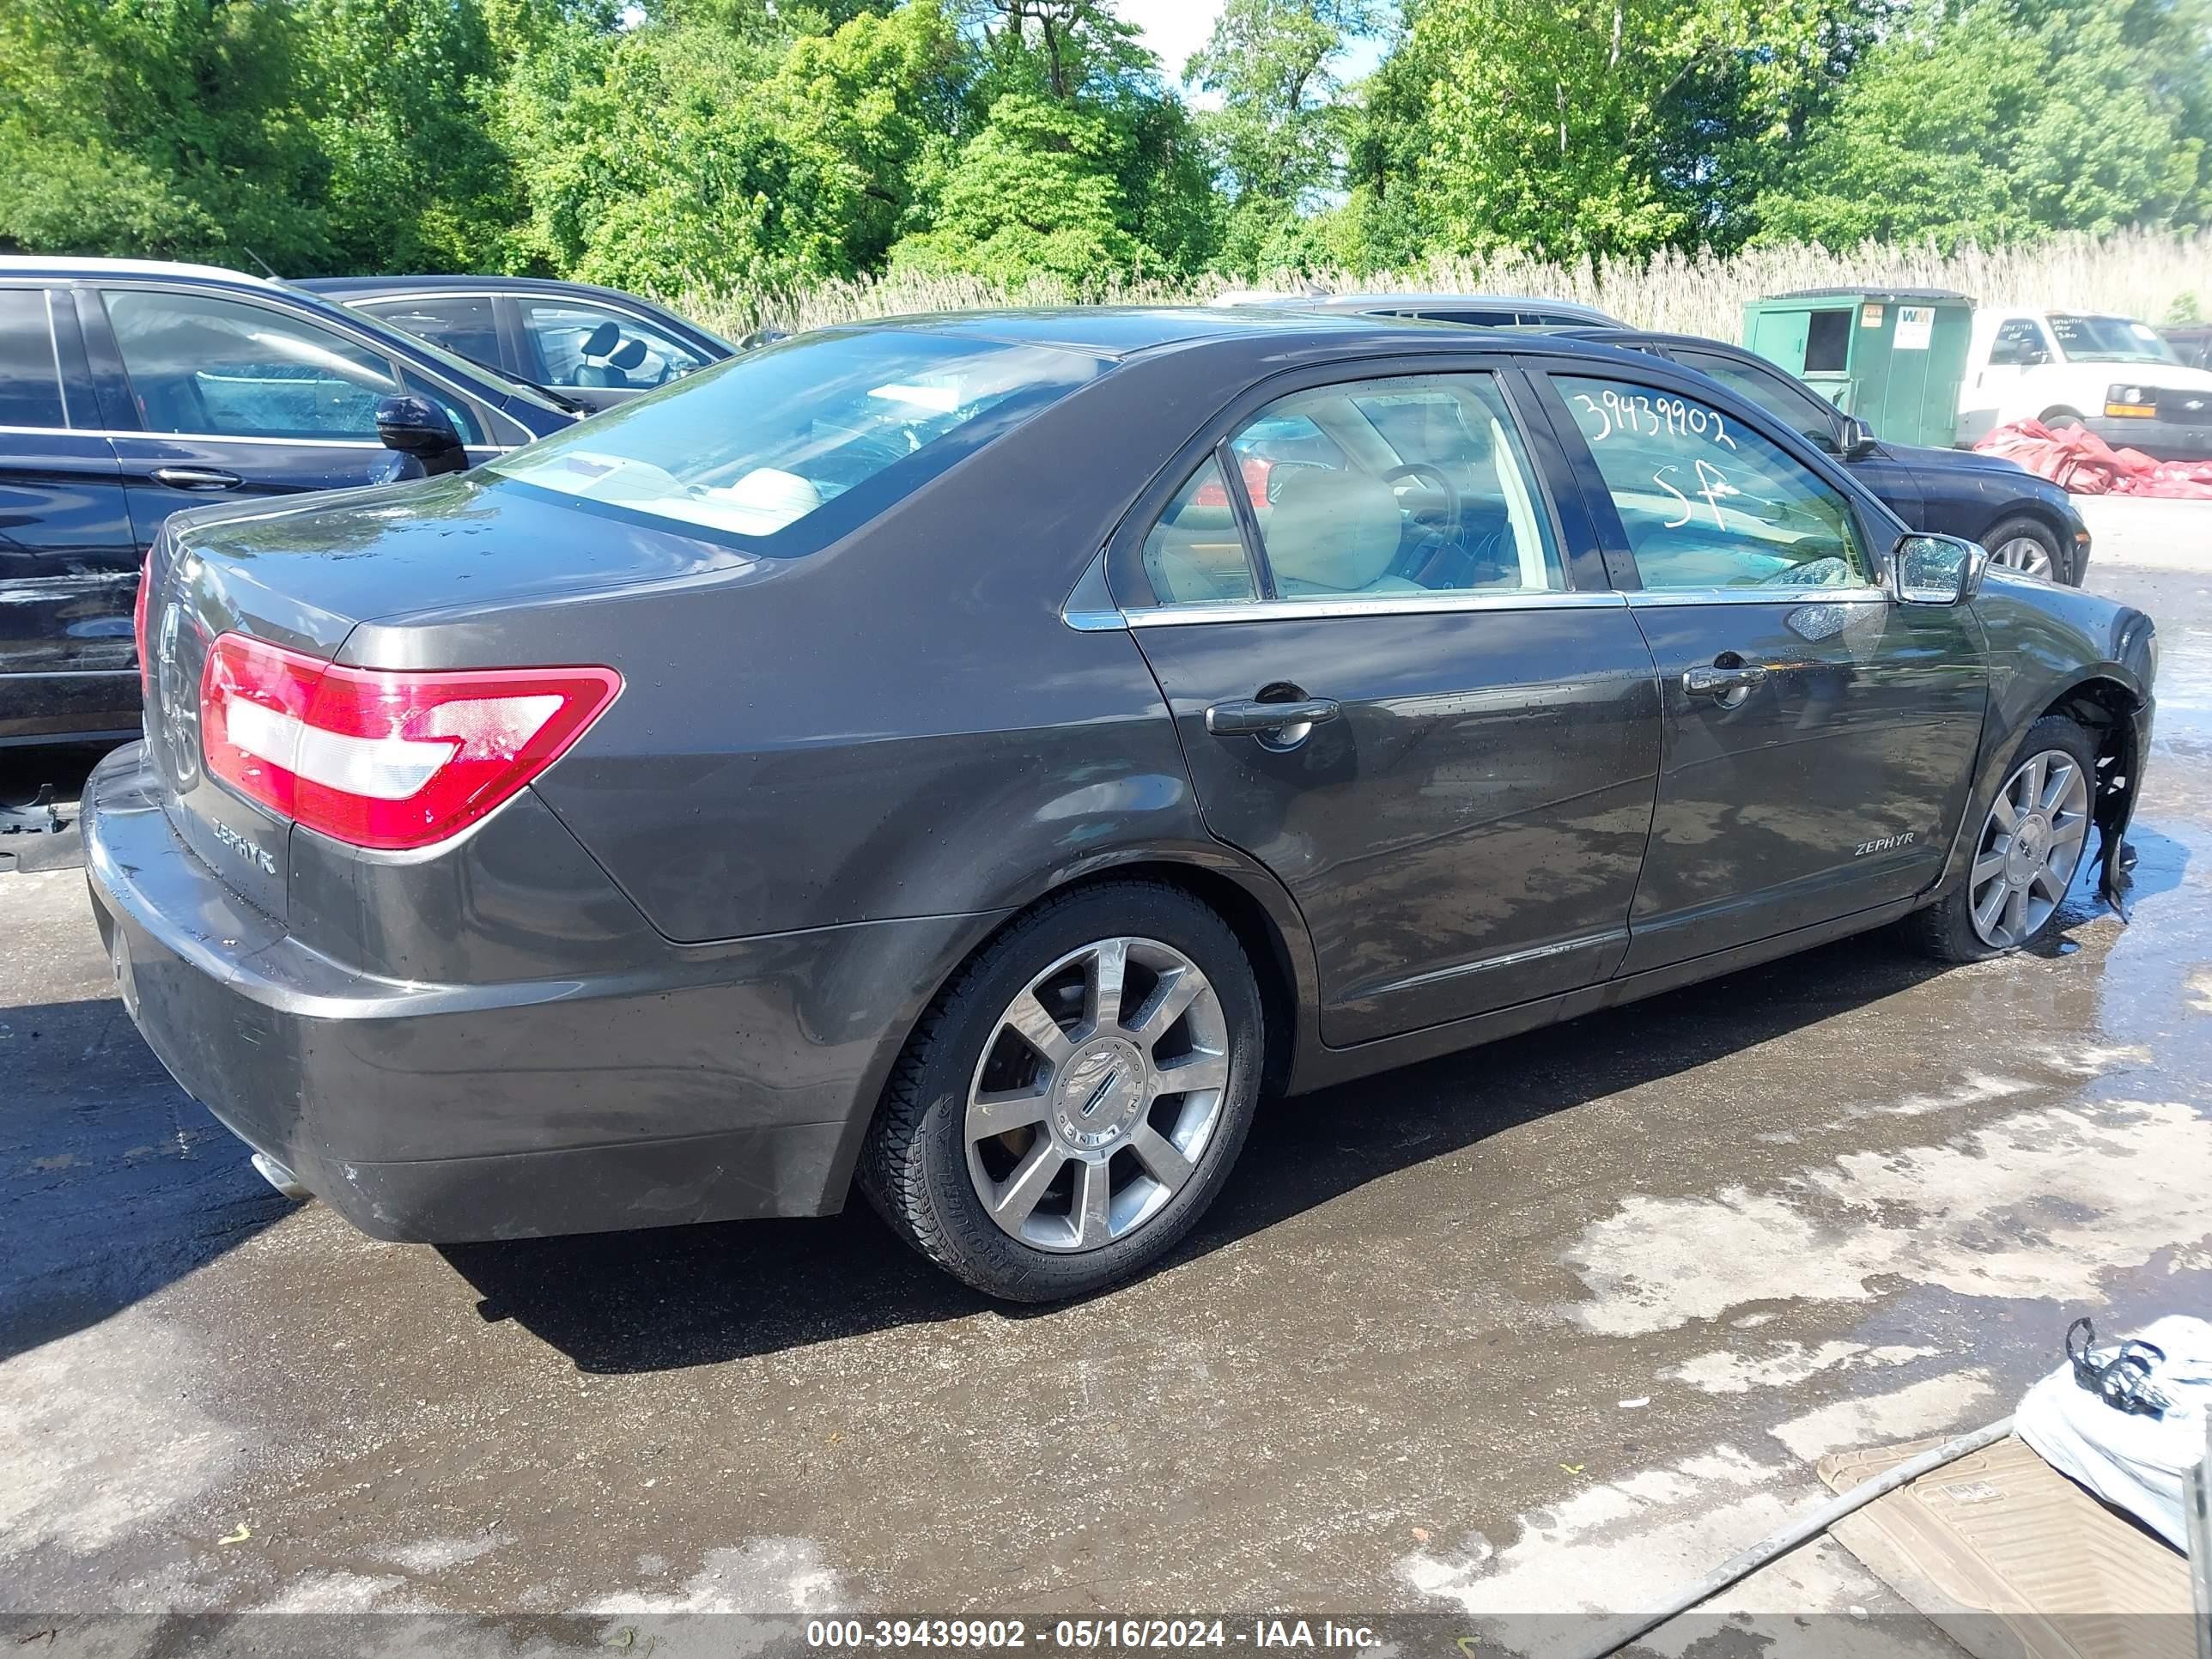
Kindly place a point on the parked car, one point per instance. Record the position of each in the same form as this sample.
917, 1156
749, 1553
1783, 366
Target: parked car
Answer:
130, 390
1469, 310
2027, 523
2112, 374
808, 776
596, 345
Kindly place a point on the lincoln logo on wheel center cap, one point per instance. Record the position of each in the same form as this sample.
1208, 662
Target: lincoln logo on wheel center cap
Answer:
1102, 1091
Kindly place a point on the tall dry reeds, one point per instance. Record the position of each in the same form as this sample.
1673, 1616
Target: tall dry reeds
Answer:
2147, 274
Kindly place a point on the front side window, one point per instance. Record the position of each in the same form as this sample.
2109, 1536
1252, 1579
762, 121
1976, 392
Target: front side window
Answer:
765, 440
1707, 502
462, 324
1784, 399
30, 386
1403, 486
2018, 345
591, 347
204, 366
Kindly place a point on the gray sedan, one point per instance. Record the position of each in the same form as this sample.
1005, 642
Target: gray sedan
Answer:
971, 760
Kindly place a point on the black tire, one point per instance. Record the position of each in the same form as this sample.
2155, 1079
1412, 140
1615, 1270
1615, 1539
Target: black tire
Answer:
2059, 418
1945, 929
2033, 529
915, 1168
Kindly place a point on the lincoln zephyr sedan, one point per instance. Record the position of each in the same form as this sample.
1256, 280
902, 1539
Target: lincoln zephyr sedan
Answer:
973, 759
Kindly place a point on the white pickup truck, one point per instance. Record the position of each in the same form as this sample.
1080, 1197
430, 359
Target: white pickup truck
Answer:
2112, 374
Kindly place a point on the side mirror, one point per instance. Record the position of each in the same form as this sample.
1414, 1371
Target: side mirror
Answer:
1937, 569
415, 426
1856, 442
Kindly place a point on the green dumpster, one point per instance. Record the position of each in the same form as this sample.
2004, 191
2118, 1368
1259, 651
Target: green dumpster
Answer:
1895, 357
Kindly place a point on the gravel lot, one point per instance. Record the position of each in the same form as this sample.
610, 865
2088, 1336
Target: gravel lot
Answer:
1545, 1328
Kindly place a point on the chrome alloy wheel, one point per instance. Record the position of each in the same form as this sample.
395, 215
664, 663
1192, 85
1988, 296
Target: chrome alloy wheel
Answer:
2030, 847
2024, 554
1097, 1094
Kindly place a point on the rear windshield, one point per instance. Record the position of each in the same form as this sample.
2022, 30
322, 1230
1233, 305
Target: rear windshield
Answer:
838, 425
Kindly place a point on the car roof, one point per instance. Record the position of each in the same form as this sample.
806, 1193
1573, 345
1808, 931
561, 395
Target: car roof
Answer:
39, 264
449, 283
1127, 330
1368, 302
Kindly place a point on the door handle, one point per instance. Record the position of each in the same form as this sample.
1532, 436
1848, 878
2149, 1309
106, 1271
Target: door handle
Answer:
1721, 682
1251, 718
196, 478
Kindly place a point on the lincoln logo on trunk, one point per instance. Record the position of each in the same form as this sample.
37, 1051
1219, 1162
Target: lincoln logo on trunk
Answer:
180, 709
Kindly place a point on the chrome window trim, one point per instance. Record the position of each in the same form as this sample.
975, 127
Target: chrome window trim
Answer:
230, 438
1644, 597
1439, 603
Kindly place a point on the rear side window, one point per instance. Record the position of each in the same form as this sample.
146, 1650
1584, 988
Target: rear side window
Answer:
30, 386
1195, 553
1707, 502
760, 443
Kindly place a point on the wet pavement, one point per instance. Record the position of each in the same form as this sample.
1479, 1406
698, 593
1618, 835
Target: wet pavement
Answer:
1548, 1326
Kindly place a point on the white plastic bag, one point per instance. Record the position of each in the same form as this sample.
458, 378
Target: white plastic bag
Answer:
2133, 1461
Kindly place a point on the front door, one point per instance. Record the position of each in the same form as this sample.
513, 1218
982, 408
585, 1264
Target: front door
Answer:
1390, 694
1816, 731
236, 398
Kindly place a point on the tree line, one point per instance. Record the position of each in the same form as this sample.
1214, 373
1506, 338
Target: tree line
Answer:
718, 144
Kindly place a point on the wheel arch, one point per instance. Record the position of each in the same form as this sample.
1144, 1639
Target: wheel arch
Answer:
1254, 905
2102, 701
2045, 515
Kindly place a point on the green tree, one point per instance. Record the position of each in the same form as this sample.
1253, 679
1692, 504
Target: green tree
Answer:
1278, 129
1032, 193
1577, 128
2005, 119
160, 128
416, 181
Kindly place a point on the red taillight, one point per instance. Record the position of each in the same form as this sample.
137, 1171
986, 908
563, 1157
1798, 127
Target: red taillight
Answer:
138, 629
390, 758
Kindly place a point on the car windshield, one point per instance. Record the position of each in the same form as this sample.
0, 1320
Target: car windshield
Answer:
756, 444
2109, 340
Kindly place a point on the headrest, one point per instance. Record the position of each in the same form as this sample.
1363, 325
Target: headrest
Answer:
1329, 530
601, 340
628, 355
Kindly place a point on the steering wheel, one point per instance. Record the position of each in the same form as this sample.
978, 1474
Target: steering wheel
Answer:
1436, 479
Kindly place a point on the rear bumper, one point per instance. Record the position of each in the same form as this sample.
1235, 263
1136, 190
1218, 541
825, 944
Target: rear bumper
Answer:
722, 1082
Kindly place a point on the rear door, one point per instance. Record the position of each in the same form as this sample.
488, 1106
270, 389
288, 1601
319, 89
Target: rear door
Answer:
1458, 788
215, 395
69, 566
1818, 734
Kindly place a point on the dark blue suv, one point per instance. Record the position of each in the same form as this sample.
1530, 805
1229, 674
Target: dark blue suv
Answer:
129, 391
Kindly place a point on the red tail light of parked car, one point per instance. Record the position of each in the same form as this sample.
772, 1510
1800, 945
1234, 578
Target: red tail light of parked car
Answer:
386, 758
